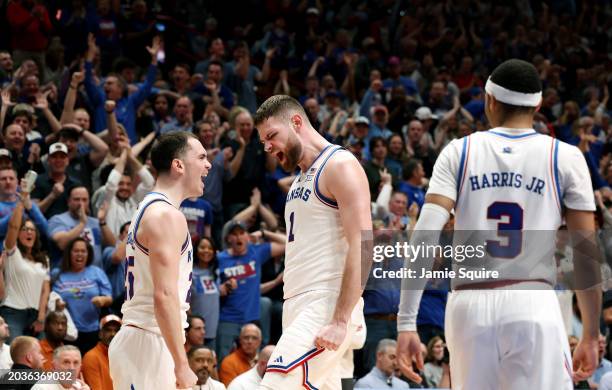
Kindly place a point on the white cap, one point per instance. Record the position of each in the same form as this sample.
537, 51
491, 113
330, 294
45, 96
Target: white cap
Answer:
424, 113
362, 120
58, 147
5, 153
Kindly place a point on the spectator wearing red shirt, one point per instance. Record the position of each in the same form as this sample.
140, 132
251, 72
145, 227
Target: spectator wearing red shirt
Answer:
30, 28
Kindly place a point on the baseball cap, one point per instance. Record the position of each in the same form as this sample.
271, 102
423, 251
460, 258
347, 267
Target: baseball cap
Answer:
23, 109
424, 113
58, 147
229, 227
5, 153
109, 318
362, 120
312, 10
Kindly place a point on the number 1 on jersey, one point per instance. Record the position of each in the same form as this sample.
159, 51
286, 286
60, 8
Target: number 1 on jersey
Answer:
291, 237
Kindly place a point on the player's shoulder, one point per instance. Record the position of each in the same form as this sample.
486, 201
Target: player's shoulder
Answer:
162, 215
563, 148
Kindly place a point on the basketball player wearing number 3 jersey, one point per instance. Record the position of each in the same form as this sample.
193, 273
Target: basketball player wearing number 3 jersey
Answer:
147, 352
519, 185
327, 208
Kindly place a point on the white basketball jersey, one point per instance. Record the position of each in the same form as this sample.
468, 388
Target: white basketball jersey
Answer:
316, 244
138, 307
510, 187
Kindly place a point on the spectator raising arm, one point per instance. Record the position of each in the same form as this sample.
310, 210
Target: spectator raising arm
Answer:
147, 181
6, 103
71, 95
94, 93
10, 244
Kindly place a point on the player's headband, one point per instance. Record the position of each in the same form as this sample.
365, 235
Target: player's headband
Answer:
514, 98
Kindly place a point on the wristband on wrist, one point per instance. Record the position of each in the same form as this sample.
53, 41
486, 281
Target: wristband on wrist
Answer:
102, 223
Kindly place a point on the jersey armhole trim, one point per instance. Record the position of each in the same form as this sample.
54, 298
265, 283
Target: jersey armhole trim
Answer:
143, 248
465, 155
325, 200
554, 167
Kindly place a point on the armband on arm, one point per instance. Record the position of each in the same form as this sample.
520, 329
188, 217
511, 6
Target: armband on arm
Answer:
426, 232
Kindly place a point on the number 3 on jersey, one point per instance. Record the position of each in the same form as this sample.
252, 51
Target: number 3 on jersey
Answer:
511, 230
129, 278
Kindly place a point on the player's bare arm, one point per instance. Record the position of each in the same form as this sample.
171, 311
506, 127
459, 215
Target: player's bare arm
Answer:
345, 181
408, 341
164, 241
582, 223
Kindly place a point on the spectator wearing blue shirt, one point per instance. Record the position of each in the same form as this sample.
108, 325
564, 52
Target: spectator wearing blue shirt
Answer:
396, 79
242, 261
65, 227
381, 301
217, 174
115, 89
476, 105
113, 263
412, 184
85, 288
183, 117
243, 75
382, 376
199, 215
215, 92
206, 290
604, 365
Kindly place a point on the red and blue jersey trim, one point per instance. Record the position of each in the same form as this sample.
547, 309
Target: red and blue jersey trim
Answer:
301, 361
554, 172
296, 363
465, 156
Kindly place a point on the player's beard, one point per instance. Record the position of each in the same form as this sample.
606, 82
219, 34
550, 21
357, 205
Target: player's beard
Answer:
294, 151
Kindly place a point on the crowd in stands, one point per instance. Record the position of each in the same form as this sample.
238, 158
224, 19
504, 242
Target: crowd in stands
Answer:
87, 86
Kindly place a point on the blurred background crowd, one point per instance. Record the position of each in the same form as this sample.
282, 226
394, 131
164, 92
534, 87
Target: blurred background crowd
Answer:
87, 85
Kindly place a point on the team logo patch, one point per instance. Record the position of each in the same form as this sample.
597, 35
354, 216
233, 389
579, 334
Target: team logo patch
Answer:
507, 149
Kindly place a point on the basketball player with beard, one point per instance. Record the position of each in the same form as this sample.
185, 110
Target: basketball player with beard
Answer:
327, 208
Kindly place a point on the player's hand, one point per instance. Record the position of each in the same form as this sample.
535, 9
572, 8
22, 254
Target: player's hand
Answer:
185, 377
331, 336
409, 350
585, 359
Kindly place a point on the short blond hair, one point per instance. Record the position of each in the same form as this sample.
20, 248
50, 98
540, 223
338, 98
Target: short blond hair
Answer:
21, 346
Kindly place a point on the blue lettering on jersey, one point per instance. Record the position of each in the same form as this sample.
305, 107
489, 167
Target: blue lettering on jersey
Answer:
298, 193
506, 179
130, 240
